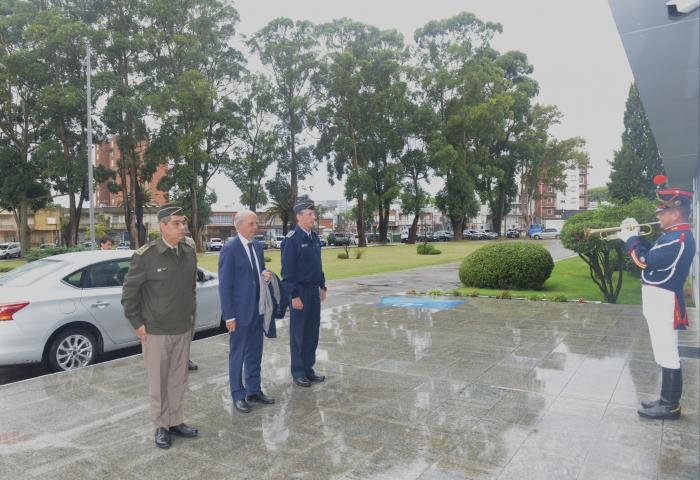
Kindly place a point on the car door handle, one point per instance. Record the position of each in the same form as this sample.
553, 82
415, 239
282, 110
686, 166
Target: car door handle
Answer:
100, 304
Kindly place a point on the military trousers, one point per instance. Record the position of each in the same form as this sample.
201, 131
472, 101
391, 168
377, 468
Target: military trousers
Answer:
166, 363
658, 305
304, 328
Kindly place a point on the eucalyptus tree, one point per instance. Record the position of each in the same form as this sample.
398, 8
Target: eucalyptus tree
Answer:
359, 82
290, 50
457, 73
509, 114
22, 122
59, 37
257, 146
120, 47
190, 67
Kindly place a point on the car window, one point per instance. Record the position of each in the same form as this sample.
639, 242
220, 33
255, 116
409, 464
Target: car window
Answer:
75, 278
30, 272
106, 274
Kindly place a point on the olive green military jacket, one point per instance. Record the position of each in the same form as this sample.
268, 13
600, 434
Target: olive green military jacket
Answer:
159, 290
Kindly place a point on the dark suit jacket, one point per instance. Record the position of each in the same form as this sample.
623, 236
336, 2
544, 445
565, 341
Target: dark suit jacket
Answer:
236, 282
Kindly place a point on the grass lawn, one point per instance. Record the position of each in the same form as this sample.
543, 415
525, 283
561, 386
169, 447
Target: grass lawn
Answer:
571, 279
8, 265
374, 259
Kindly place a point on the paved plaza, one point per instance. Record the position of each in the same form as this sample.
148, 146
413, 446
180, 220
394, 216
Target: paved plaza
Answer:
489, 389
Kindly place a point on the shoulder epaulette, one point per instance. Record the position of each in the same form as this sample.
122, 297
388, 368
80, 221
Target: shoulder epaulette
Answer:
190, 242
143, 248
290, 233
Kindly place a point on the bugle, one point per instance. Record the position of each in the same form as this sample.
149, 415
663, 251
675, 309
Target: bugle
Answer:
610, 233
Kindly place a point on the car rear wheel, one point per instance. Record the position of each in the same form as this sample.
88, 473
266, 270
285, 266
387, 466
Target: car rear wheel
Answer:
537, 237
72, 349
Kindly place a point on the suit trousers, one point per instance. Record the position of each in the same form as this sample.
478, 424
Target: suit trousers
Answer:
658, 305
244, 358
304, 328
166, 363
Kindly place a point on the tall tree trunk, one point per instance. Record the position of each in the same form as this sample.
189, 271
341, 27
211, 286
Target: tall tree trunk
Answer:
457, 226
71, 238
25, 238
133, 185
384, 224
361, 241
413, 230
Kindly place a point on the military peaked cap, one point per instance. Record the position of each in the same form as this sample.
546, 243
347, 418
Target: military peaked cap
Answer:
168, 210
670, 197
303, 205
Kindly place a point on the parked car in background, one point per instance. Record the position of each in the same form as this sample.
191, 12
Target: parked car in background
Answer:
339, 238
124, 246
323, 241
513, 233
443, 236
546, 234
534, 229
10, 250
265, 242
470, 234
214, 244
65, 310
276, 241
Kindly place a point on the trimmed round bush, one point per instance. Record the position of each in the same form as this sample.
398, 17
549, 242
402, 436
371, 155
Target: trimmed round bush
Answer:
512, 265
427, 249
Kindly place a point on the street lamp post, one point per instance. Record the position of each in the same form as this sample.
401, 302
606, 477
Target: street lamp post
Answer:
91, 186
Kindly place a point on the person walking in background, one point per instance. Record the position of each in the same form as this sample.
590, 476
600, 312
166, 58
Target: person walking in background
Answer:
304, 281
242, 276
159, 300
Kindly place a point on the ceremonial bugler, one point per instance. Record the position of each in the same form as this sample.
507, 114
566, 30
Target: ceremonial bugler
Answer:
666, 264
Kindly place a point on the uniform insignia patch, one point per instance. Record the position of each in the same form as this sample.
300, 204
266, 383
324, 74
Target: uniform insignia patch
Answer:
190, 242
290, 234
141, 250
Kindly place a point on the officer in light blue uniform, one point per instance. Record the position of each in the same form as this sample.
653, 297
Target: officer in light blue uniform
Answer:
304, 281
665, 267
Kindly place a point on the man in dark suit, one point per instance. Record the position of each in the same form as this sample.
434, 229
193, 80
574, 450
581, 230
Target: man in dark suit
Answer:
241, 276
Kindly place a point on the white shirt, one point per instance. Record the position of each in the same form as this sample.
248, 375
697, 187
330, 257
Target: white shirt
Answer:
245, 243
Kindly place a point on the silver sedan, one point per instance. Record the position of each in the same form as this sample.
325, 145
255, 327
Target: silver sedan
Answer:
65, 310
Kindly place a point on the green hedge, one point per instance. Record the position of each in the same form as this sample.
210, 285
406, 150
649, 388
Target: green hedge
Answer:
427, 249
512, 265
40, 253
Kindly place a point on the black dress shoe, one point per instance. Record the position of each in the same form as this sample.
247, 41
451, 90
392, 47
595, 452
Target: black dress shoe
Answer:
316, 378
162, 438
192, 366
241, 405
302, 382
260, 397
661, 411
650, 403
183, 430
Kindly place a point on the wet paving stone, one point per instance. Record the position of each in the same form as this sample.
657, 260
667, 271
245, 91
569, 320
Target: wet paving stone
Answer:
490, 389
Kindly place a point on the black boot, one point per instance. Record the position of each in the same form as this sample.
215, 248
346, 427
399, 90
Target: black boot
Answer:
653, 403
668, 406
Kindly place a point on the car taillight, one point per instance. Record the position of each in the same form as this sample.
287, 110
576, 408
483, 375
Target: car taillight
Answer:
8, 309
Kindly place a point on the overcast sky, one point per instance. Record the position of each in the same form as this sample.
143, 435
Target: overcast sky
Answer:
573, 45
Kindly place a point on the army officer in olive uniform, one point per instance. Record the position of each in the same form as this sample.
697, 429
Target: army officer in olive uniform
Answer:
305, 283
159, 299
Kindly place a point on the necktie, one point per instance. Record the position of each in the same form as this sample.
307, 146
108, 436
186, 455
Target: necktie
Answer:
256, 274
